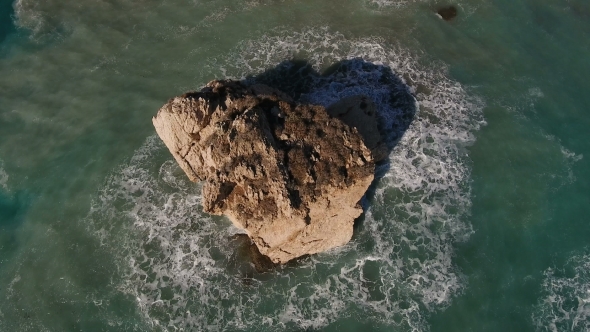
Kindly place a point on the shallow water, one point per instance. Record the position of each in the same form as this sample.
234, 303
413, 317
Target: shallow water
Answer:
477, 222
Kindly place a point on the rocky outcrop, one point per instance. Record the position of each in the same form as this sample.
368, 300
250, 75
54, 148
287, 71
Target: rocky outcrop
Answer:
288, 174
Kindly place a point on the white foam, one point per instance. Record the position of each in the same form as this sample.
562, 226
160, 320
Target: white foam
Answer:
393, 3
536, 92
33, 16
565, 304
3, 176
10, 289
180, 263
572, 156
566, 176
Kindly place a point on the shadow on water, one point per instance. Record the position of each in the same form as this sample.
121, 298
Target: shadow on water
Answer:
396, 106
6, 19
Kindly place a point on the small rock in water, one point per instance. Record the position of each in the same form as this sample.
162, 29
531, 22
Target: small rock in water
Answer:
447, 13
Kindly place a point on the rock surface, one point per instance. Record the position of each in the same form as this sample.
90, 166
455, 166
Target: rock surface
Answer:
288, 174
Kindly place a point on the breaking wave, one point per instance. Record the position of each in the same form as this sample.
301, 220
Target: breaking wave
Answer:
184, 268
565, 304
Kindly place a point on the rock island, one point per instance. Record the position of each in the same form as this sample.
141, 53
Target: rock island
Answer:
291, 175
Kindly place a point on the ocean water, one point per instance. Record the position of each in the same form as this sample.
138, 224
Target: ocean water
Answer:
478, 220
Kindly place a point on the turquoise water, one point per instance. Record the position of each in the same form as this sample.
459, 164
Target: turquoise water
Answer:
478, 222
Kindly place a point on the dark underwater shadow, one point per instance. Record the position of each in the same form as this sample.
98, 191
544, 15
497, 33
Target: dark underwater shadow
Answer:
13, 208
6, 19
396, 106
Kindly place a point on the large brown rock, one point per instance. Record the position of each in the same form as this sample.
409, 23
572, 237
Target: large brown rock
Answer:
289, 174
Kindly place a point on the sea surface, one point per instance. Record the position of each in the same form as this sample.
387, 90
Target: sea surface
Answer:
478, 221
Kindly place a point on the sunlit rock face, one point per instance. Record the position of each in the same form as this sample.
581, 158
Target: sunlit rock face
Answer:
289, 174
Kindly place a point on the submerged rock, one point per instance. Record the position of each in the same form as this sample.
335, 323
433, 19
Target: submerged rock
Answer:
249, 252
288, 174
360, 112
447, 13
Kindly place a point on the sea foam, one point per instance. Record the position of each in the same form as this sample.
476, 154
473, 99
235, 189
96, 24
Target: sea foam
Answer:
3, 176
181, 264
565, 303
